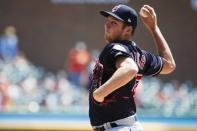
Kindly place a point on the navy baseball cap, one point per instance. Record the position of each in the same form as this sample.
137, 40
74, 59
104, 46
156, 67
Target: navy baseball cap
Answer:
123, 13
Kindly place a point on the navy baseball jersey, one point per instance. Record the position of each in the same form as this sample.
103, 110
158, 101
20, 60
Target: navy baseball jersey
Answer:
120, 103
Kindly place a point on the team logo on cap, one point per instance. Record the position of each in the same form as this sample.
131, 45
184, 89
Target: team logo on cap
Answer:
116, 8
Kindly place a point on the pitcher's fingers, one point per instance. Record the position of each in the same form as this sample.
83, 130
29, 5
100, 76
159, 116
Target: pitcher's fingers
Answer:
147, 11
150, 9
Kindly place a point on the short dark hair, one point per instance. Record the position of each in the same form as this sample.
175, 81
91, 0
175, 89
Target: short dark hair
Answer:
125, 25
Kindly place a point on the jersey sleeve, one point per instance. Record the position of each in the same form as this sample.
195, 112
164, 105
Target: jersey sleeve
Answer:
153, 64
114, 52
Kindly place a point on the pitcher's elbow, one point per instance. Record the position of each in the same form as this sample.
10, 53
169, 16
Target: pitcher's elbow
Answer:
168, 68
171, 67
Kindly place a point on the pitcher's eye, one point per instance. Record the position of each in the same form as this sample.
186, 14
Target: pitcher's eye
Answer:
113, 23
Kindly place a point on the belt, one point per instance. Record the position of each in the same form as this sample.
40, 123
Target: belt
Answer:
129, 121
102, 128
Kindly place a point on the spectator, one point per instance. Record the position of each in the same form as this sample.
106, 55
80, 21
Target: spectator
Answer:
4, 96
78, 59
9, 44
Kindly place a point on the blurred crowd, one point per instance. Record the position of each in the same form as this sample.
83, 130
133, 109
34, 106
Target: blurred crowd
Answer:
26, 88
157, 98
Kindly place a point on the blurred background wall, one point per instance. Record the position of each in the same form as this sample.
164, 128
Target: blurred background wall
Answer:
47, 30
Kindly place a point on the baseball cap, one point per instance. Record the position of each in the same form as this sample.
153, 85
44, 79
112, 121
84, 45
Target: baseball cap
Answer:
123, 13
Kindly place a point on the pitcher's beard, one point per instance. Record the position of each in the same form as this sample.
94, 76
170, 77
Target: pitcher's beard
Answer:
109, 39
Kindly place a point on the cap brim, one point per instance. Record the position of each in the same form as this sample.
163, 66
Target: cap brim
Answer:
106, 14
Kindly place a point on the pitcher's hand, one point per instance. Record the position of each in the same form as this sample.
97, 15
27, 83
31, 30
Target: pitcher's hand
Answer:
149, 18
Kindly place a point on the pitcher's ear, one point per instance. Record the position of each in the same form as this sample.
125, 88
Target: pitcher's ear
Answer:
129, 30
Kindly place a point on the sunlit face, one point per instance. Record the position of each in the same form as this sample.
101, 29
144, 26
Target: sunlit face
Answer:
113, 29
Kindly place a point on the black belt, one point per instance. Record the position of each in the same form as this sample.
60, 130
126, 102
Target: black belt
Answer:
102, 128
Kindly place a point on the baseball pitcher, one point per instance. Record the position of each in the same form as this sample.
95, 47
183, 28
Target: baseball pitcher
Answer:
120, 67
